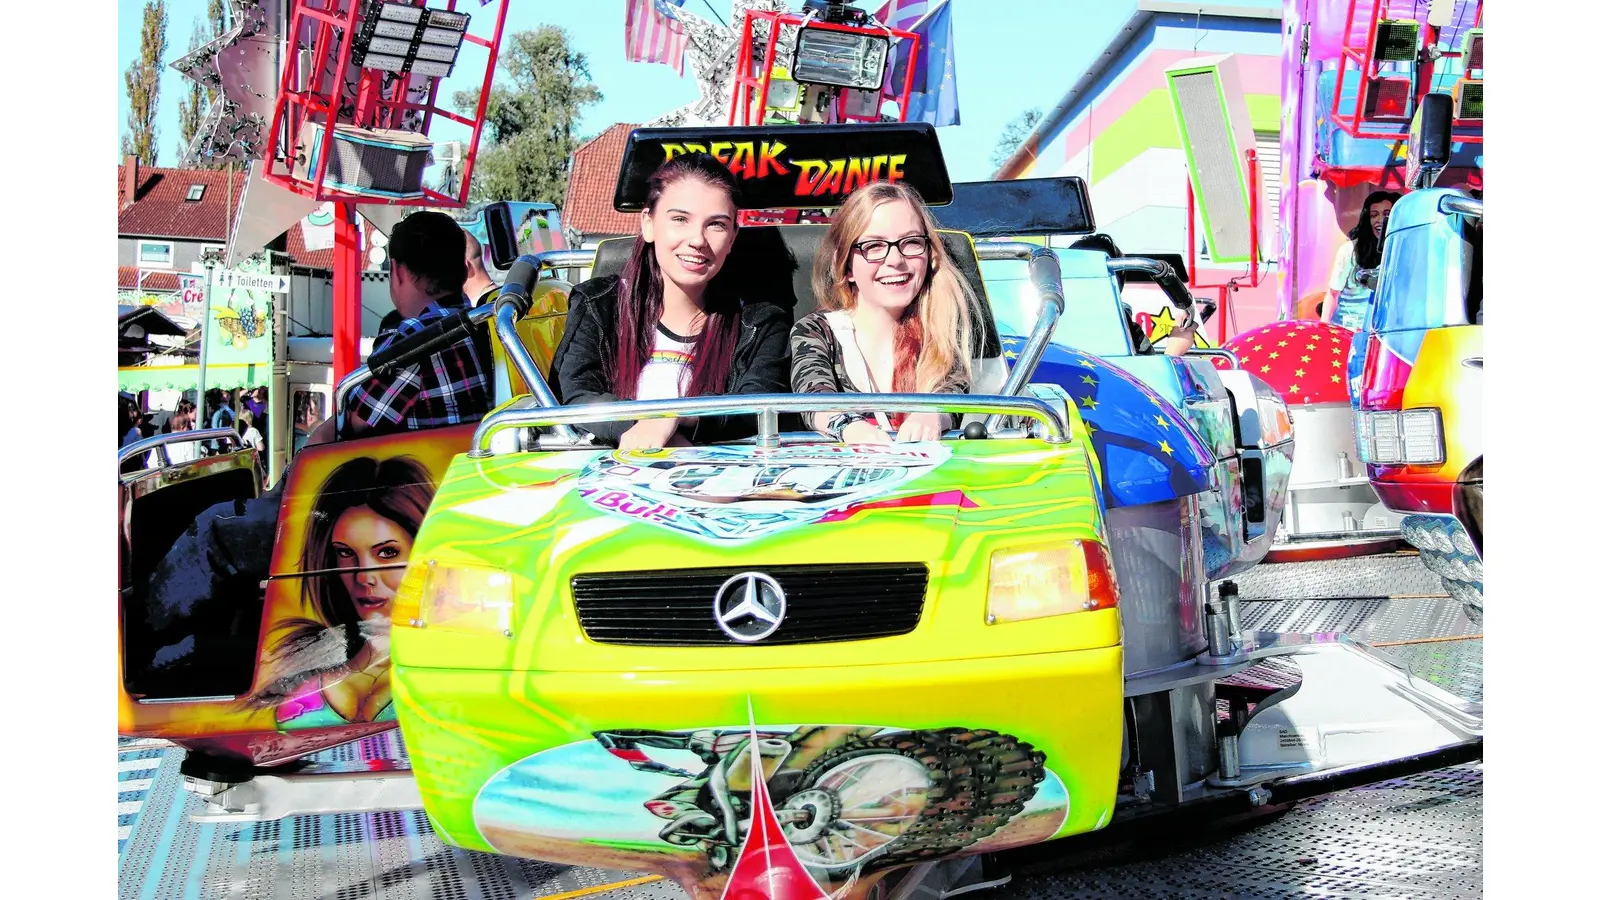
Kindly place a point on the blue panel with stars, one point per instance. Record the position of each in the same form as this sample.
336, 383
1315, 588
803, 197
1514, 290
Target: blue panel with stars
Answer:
1147, 451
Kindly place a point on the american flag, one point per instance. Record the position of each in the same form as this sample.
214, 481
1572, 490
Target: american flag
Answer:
933, 83
901, 14
654, 34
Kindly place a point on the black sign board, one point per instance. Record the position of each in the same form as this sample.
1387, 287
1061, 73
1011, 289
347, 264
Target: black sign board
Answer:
1024, 207
794, 166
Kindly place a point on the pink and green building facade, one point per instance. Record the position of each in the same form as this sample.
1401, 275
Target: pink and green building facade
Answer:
1115, 127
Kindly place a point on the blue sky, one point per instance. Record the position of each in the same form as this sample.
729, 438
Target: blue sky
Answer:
1010, 55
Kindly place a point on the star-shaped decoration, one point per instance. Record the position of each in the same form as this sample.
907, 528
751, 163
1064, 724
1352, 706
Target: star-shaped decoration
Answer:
1283, 343
1336, 379
1010, 341
1272, 355
1305, 359
1088, 402
1089, 380
1316, 337
1311, 348
1011, 354
1162, 421
1085, 363
1089, 426
1265, 369
1294, 332
1337, 350
1244, 359
1294, 388
1166, 448
1299, 373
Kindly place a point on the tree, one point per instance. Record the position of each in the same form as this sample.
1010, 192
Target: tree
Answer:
1016, 131
531, 118
144, 84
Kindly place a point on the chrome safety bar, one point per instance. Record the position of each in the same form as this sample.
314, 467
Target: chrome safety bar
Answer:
160, 442
1228, 355
1466, 206
1005, 249
526, 413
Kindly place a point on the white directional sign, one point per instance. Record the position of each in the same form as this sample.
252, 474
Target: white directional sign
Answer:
252, 281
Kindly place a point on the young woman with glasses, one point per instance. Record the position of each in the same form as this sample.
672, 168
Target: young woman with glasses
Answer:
894, 316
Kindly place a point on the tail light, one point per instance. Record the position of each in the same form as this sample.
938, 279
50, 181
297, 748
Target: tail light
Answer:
1391, 437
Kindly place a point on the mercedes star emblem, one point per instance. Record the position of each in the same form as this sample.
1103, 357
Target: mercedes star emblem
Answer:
749, 607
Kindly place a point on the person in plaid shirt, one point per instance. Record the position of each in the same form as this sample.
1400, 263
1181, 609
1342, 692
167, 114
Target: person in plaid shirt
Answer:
427, 252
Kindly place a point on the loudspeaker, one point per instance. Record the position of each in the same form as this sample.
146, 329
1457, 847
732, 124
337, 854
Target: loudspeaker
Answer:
1428, 147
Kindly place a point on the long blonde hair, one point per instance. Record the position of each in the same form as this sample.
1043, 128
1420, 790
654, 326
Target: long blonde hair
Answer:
935, 336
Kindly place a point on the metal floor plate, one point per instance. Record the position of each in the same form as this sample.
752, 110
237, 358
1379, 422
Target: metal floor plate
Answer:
1419, 836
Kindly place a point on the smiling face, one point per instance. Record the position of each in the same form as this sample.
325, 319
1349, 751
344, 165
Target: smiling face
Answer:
893, 282
691, 231
1378, 217
363, 540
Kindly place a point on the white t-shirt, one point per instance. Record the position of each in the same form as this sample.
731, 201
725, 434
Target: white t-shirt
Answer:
665, 375
252, 438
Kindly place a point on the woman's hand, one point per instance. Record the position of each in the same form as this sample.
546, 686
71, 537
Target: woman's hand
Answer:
865, 432
1181, 339
920, 427
649, 434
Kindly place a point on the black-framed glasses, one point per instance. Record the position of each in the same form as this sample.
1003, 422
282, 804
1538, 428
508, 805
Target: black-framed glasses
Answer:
911, 246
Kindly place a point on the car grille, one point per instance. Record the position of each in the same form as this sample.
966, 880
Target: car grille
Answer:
824, 604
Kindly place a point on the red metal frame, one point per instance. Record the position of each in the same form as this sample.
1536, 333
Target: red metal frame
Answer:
1253, 172
375, 105
1422, 80
745, 81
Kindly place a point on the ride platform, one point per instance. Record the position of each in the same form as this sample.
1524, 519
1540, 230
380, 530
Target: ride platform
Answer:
1419, 836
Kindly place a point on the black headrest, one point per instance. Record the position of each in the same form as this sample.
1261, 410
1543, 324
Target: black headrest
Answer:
773, 263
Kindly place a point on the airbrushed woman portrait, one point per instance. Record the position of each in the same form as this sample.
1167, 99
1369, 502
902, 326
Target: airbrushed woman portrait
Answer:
331, 664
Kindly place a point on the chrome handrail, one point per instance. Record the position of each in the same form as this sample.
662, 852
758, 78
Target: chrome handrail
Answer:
1466, 206
525, 413
160, 442
507, 312
1005, 249
1226, 354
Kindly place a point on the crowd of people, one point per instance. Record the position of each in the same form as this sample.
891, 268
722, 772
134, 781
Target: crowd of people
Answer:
243, 410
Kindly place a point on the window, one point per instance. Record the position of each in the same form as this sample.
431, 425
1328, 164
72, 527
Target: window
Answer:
157, 254
196, 191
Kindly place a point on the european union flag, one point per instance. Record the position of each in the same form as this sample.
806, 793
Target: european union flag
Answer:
933, 85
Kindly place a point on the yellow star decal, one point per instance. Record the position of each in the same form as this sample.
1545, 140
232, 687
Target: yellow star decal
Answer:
1166, 448
1316, 337
1266, 369
1162, 421
1305, 359
1337, 350
1312, 348
1283, 343
1088, 402
1244, 359
1085, 363
1089, 426
1294, 332
1337, 379
1294, 388
1299, 373
1089, 379
1161, 324
1272, 355
1011, 354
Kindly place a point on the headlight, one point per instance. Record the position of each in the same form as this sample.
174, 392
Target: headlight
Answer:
471, 599
1049, 580
1390, 437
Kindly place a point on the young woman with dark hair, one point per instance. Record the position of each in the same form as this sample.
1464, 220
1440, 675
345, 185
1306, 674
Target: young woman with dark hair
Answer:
1364, 250
673, 324
331, 665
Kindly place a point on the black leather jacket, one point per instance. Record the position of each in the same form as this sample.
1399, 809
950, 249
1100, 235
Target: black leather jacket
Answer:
578, 371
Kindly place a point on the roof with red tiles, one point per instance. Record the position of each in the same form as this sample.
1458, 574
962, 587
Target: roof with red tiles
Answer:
592, 184
161, 208
128, 279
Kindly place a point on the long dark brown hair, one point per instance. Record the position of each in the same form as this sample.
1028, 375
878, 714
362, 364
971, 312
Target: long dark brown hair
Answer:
1369, 247
398, 489
640, 296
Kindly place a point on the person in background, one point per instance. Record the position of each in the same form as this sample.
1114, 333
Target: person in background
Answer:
249, 435
1364, 250
480, 288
